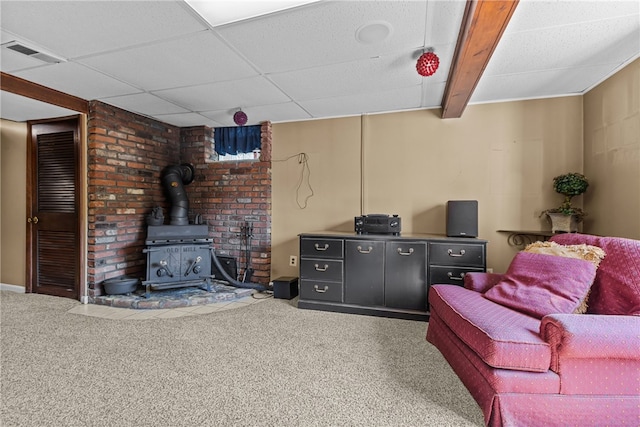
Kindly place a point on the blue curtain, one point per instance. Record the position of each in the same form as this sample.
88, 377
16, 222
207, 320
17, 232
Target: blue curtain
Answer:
239, 139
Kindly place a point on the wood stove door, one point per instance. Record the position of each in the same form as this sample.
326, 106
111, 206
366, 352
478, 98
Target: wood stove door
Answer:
53, 235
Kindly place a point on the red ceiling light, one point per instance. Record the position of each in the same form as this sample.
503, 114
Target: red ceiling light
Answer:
240, 118
427, 64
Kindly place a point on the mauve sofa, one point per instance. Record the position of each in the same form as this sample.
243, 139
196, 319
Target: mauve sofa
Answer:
558, 370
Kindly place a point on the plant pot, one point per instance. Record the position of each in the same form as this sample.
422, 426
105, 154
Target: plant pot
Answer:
562, 223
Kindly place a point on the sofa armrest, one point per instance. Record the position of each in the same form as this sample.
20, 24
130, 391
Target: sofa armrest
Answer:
586, 336
481, 282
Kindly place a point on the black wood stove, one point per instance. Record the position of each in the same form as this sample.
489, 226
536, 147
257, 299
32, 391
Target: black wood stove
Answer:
178, 256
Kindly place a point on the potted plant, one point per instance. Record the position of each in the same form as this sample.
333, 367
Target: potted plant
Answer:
565, 218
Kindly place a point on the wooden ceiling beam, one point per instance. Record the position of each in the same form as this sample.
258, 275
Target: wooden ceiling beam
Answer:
482, 26
22, 87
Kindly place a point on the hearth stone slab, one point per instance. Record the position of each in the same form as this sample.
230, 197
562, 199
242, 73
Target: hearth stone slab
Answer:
173, 298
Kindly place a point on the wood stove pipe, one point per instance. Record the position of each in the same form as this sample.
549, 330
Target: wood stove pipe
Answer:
174, 178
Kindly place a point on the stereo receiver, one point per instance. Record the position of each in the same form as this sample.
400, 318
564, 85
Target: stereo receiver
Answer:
378, 224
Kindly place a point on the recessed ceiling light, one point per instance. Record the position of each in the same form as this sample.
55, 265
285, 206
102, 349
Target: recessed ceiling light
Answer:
220, 12
374, 32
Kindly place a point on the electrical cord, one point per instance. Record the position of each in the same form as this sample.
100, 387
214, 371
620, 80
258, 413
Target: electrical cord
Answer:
303, 159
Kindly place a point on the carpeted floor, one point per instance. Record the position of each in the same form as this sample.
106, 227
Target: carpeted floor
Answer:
267, 364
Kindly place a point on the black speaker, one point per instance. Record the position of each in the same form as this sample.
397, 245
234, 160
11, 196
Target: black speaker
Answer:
462, 218
285, 287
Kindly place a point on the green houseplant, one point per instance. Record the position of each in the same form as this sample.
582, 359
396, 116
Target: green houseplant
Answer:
565, 218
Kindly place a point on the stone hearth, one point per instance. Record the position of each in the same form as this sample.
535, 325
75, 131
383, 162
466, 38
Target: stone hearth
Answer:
173, 298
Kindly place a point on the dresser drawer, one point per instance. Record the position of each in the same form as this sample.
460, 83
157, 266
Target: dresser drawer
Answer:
321, 248
321, 269
449, 275
320, 291
467, 255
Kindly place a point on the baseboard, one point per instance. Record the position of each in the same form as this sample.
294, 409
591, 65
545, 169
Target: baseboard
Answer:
12, 288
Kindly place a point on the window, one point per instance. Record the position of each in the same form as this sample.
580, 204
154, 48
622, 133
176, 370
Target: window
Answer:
237, 143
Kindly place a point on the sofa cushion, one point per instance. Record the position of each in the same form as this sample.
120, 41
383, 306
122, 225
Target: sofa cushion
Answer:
582, 251
616, 289
480, 324
538, 284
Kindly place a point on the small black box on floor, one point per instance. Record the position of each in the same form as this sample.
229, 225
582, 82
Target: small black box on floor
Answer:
229, 265
285, 287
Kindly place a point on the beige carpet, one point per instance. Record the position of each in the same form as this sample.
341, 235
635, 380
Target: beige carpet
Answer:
268, 364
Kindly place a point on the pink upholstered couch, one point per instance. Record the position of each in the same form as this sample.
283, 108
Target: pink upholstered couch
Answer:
561, 370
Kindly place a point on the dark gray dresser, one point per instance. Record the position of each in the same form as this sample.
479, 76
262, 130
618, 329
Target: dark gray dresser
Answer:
382, 275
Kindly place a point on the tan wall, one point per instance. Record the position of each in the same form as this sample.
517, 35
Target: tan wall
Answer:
612, 154
503, 155
13, 202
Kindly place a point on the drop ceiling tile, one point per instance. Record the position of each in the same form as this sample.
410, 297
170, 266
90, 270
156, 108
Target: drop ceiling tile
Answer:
432, 93
96, 26
224, 95
324, 33
186, 119
443, 22
77, 80
536, 15
20, 109
368, 75
288, 111
188, 61
144, 103
394, 100
581, 45
538, 84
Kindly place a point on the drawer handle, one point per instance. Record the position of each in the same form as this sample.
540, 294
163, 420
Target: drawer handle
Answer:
409, 252
318, 268
450, 252
452, 277
321, 291
362, 251
324, 248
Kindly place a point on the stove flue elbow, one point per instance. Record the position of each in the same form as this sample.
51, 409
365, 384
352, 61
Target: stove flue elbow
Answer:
174, 178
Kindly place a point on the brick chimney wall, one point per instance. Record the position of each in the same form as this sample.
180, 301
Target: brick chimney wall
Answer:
126, 155
230, 195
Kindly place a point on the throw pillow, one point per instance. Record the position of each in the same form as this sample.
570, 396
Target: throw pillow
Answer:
540, 284
590, 253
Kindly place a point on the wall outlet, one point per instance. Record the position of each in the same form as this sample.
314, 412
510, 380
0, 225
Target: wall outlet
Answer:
293, 261
489, 270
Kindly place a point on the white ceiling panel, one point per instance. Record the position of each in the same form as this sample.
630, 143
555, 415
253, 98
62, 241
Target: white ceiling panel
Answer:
538, 84
432, 93
287, 111
186, 61
324, 33
19, 108
145, 103
77, 28
223, 95
582, 45
387, 72
443, 22
77, 80
186, 119
540, 14
373, 102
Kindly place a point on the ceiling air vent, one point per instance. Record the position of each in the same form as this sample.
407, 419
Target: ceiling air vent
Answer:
31, 52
